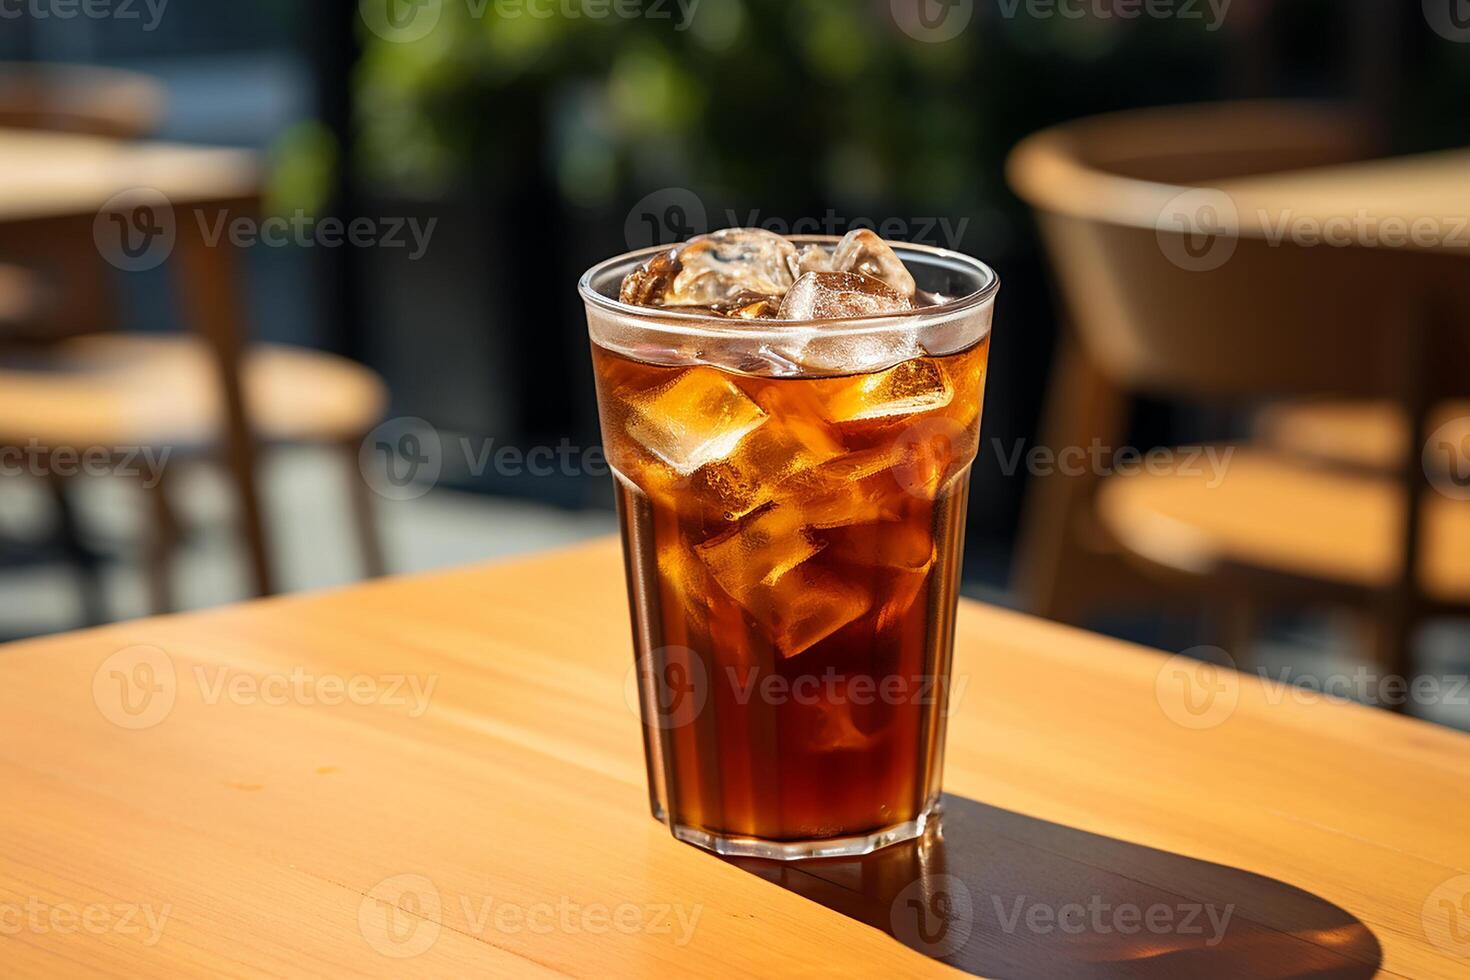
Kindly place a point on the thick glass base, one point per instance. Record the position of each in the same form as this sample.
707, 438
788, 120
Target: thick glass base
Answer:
831, 847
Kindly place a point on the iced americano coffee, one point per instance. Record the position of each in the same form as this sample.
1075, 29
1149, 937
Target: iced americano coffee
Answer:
791, 424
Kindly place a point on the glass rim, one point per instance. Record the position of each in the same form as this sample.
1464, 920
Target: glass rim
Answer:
671, 320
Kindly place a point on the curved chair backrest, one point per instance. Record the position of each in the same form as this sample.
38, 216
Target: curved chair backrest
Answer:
80, 99
1159, 307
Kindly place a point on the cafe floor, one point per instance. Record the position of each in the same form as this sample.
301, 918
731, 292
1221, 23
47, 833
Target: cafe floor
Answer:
313, 541
310, 528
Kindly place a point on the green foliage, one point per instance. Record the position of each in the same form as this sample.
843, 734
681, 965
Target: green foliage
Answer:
776, 100
304, 164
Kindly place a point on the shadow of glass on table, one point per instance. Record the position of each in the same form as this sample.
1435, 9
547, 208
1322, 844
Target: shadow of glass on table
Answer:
1004, 895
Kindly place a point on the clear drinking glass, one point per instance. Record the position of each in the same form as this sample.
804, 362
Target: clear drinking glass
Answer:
792, 500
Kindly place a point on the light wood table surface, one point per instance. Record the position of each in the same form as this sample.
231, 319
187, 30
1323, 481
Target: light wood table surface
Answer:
446, 766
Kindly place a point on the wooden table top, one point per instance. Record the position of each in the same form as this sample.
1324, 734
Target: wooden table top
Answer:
50, 175
441, 775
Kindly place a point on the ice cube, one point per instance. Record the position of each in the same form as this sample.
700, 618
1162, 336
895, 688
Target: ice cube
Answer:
648, 284
899, 598
814, 258
828, 295
836, 352
758, 553
968, 376
918, 385
762, 564
683, 578
856, 488
901, 547
834, 721
862, 251
751, 259
729, 271
787, 445
805, 607
749, 306
934, 450
698, 418
791, 440
905, 550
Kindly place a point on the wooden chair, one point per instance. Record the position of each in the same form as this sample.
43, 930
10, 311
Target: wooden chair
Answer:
75, 382
1368, 435
80, 99
1269, 322
24, 301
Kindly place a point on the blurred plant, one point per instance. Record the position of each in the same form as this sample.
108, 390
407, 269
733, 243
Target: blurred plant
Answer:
304, 165
783, 103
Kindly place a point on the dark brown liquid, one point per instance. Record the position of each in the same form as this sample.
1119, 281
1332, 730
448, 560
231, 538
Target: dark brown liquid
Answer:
793, 589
